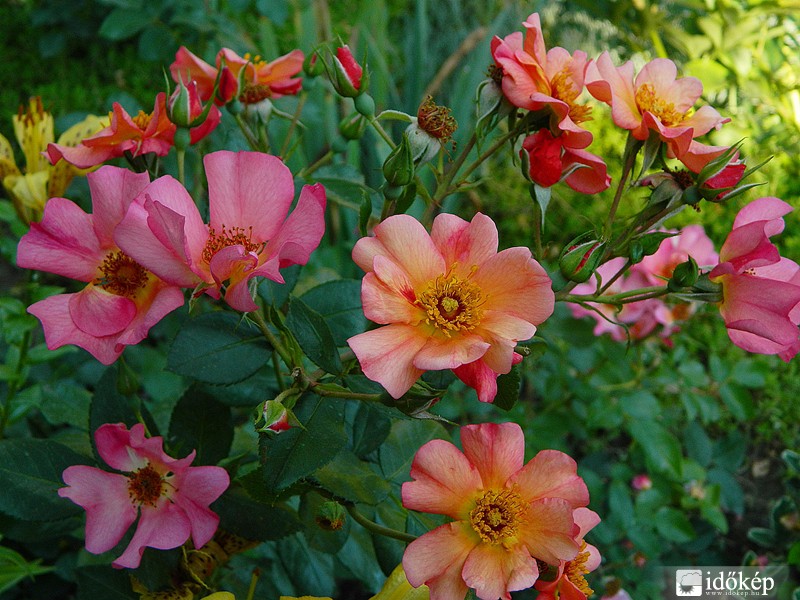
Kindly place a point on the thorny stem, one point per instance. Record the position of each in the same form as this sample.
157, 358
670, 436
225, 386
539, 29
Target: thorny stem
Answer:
293, 126
276, 343
621, 298
616, 276
379, 529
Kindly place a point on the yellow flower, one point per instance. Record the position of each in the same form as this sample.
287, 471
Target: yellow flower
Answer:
31, 188
398, 588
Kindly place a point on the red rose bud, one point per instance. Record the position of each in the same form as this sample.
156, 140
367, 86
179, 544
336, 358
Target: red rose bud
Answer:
581, 257
312, 65
347, 75
276, 417
227, 86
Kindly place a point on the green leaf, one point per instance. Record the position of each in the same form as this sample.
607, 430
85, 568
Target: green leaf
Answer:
640, 404
674, 525
351, 479
762, 536
244, 516
313, 335
662, 449
370, 428
109, 406
200, 422
66, 402
405, 439
698, 444
319, 538
620, 504
219, 348
100, 581
738, 400
339, 303
300, 451
14, 568
122, 23
792, 460
507, 389
275, 293
30, 475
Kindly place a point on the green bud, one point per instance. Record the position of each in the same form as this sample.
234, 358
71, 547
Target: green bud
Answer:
684, 276
179, 106
581, 257
398, 168
365, 105
312, 65
235, 107
331, 516
352, 127
691, 195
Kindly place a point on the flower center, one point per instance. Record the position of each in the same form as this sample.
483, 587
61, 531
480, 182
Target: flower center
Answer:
563, 89
647, 100
256, 60
576, 568
146, 486
235, 236
142, 120
121, 275
436, 120
452, 304
497, 515
253, 93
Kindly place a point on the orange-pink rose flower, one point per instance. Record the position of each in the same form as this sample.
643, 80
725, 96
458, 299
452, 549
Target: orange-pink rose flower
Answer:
655, 100
448, 300
535, 78
507, 515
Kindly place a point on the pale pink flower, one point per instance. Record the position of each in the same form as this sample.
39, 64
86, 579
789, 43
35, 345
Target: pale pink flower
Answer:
656, 100
249, 234
760, 289
535, 78
549, 159
170, 498
122, 299
641, 482
448, 300
506, 514
569, 582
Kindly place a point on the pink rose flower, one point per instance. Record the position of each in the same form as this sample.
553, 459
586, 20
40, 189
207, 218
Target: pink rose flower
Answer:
170, 498
506, 515
656, 100
535, 78
569, 582
122, 300
760, 289
249, 234
448, 300
549, 159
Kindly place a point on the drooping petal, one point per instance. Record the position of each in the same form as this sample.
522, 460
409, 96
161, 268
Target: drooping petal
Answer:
164, 300
104, 496
494, 571
387, 356
113, 189
552, 474
116, 446
548, 530
436, 560
64, 242
496, 450
248, 189
197, 487
164, 527
236, 264
449, 353
481, 377
301, 233
444, 481
99, 313
769, 209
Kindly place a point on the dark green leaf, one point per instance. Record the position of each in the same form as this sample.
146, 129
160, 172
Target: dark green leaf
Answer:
243, 516
313, 335
319, 538
698, 444
339, 303
30, 475
122, 23
200, 422
661, 448
300, 451
620, 503
101, 581
508, 389
371, 426
219, 348
792, 460
674, 525
109, 406
14, 568
762, 536
351, 479
405, 439
275, 293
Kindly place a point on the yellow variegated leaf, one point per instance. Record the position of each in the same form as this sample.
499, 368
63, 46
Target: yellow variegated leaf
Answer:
61, 175
7, 153
7, 167
34, 130
29, 190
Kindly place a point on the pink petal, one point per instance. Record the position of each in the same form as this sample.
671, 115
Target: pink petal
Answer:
113, 189
104, 496
164, 301
547, 530
449, 353
64, 242
114, 445
436, 559
494, 571
462, 242
164, 527
389, 301
496, 450
387, 356
59, 329
444, 481
234, 263
197, 487
301, 233
83, 156
479, 376
552, 474
248, 189
764, 209
99, 313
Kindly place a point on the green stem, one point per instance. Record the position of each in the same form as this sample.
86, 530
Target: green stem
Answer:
293, 125
379, 529
621, 298
180, 154
382, 132
323, 160
614, 278
442, 192
274, 341
251, 139
538, 250
347, 395
15, 382
457, 164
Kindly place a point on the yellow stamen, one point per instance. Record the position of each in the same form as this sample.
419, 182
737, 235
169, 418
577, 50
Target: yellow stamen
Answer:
576, 569
497, 515
230, 237
666, 112
121, 275
142, 120
562, 88
452, 304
